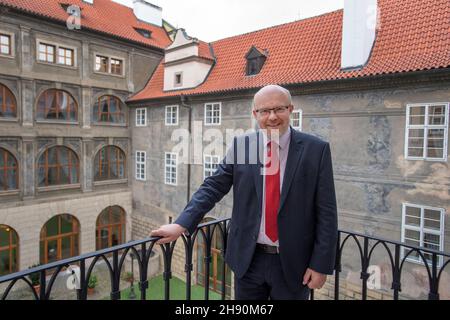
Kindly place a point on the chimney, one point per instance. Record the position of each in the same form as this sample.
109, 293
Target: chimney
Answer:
358, 32
147, 12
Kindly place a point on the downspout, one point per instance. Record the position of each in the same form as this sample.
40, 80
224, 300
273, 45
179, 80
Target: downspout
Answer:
189, 107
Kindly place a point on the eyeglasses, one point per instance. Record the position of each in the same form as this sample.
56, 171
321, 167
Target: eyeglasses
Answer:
264, 112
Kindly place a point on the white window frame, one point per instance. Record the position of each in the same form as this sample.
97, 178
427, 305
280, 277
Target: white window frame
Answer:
212, 105
210, 159
426, 127
57, 46
168, 168
141, 167
12, 52
422, 229
141, 113
300, 119
169, 112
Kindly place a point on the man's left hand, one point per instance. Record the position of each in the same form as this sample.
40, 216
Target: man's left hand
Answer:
313, 279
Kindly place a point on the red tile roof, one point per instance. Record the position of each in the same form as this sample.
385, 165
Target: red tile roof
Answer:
104, 16
413, 36
204, 50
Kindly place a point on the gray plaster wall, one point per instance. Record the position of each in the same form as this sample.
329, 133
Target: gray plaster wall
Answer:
366, 131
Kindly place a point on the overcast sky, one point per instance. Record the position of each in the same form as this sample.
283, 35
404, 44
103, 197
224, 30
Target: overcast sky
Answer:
211, 20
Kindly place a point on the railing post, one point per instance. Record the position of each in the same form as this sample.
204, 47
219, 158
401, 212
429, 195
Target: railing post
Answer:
207, 260
338, 267
82, 292
433, 295
188, 267
364, 274
396, 286
167, 275
43, 285
223, 252
143, 281
115, 293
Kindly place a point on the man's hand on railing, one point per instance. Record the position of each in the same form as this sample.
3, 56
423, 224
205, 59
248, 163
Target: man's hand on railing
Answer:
168, 232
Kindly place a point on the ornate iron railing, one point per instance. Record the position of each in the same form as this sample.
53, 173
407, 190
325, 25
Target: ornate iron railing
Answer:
114, 259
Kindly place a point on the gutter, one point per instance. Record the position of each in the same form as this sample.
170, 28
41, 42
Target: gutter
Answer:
183, 101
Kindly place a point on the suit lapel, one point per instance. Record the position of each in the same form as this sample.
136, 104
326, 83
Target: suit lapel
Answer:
294, 156
256, 144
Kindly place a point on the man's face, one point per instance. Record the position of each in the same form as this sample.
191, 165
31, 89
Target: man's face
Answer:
272, 110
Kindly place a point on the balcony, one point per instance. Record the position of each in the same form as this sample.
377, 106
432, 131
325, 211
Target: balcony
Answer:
375, 261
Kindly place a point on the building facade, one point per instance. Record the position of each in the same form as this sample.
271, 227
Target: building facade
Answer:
93, 123
65, 138
382, 104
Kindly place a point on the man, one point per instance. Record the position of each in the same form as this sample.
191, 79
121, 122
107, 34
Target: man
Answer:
283, 229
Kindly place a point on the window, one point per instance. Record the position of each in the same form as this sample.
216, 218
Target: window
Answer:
210, 164
296, 120
8, 105
171, 115
110, 228
5, 44
178, 79
59, 239
56, 54
9, 171
116, 66
56, 104
109, 164
143, 32
170, 168
109, 109
65, 56
141, 172
422, 226
58, 166
255, 60
427, 132
9, 250
47, 52
109, 65
101, 64
141, 117
212, 113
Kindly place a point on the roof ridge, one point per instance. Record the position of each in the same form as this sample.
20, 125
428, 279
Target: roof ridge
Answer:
278, 25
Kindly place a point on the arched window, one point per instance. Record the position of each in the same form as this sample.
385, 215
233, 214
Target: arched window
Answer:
110, 227
109, 109
9, 250
109, 164
8, 105
56, 104
59, 238
216, 275
9, 177
58, 165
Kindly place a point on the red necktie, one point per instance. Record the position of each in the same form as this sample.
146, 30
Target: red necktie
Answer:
272, 192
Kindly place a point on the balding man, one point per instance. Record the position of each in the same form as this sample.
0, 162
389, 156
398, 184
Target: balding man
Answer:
283, 231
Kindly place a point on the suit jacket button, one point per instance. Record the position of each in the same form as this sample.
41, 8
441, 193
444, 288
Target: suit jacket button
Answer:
255, 237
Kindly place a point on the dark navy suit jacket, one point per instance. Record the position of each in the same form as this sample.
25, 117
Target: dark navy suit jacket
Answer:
307, 216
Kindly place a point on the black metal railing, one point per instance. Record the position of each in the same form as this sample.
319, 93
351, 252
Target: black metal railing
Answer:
141, 250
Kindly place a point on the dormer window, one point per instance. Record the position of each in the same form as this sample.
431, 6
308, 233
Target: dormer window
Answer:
255, 60
143, 32
178, 81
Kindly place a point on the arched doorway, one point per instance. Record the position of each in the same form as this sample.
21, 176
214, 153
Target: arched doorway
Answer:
59, 238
